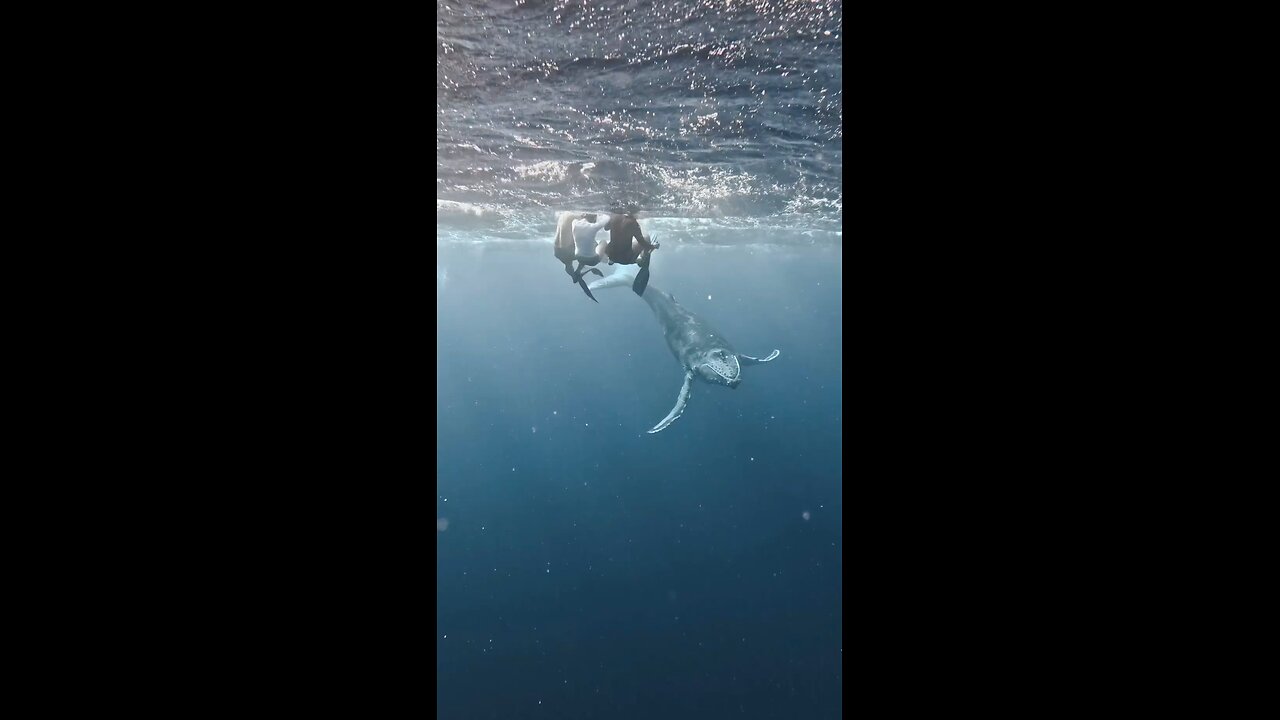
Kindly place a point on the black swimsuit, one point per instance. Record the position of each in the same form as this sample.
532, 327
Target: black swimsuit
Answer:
620, 235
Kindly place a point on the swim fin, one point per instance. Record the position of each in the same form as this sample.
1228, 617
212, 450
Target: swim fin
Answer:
585, 289
576, 276
641, 282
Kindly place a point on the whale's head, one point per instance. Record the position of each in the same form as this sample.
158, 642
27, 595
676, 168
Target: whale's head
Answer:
720, 367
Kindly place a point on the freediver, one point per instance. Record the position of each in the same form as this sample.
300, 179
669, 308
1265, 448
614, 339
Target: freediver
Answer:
627, 246
575, 232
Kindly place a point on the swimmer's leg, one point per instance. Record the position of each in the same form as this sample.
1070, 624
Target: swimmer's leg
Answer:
577, 274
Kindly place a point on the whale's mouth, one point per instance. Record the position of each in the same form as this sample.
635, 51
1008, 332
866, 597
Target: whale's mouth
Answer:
729, 378
726, 367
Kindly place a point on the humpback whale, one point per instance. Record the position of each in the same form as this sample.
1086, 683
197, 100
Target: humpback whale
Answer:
703, 352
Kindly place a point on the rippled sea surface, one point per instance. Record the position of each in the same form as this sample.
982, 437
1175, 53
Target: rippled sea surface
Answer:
586, 568
726, 111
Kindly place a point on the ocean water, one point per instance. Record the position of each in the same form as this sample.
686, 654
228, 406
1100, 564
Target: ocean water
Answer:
587, 568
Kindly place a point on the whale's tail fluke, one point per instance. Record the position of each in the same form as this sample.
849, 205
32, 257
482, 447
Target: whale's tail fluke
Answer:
623, 276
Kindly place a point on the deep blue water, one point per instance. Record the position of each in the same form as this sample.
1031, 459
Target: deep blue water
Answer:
587, 569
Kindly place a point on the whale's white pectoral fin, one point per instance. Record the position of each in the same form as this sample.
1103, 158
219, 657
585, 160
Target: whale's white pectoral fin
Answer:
678, 410
750, 360
622, 276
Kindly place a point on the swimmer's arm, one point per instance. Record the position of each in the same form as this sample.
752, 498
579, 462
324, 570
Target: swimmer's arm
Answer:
643, 243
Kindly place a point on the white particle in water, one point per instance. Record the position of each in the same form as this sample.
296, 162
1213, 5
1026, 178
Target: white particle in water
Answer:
805, 514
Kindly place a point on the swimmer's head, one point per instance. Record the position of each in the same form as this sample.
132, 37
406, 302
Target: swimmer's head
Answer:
590, 217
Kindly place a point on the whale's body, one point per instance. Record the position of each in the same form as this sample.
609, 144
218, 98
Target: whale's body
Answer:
689, 336
702, 352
